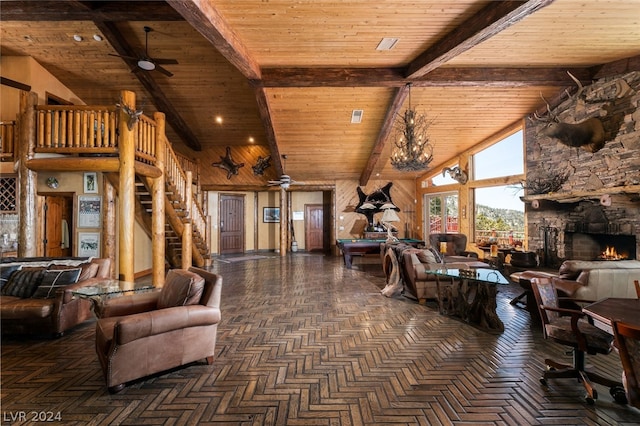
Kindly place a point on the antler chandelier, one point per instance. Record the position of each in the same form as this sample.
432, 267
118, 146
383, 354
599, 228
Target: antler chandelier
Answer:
412, 151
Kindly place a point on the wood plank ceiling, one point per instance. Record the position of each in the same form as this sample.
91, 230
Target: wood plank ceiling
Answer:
288, 74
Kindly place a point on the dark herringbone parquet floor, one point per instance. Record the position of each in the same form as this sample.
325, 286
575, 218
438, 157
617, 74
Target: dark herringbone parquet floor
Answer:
305, 341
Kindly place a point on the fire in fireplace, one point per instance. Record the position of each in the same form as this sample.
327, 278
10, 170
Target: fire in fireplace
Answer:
587, 246
610, 253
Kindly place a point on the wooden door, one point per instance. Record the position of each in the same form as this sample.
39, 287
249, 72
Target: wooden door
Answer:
231, 224
314, 227
57, 226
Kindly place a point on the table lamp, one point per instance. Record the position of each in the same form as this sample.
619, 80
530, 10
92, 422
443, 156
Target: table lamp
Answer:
389, 216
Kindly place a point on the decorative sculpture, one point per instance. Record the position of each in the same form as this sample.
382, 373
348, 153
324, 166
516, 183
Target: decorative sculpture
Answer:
134, 115
456, 174
375, 202
228, 164
261, 165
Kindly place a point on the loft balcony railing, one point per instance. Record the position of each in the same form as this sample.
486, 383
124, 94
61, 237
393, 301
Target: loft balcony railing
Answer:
92, 131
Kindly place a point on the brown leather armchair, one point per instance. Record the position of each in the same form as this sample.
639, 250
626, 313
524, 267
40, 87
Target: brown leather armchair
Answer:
143, 334
456, 246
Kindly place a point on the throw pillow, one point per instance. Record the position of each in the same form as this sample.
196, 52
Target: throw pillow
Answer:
5, 274
425, 256
89, 270
181, 288
23, 283
437, 255
53, 280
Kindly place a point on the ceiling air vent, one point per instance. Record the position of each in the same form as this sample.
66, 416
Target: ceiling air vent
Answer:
387, 43
356, 116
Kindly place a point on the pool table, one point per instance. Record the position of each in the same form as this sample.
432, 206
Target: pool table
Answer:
359, 247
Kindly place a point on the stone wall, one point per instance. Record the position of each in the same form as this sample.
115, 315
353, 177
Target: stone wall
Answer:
552, 226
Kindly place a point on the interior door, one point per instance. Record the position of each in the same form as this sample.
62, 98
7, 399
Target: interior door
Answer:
57, 226
314, 227
231, 224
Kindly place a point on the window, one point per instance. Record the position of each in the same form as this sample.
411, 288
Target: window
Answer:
505, 158
499, 212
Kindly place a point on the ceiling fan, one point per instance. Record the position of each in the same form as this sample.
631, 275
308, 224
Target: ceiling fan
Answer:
146, 62
285, 180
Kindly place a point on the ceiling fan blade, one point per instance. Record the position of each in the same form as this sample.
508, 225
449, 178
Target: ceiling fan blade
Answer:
123, 56
164, 61
164, 71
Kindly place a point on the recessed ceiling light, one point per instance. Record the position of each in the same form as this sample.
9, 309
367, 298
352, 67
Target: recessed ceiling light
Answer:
77, 37
219, 119
356, 116
251, 140
387, 43
97, 37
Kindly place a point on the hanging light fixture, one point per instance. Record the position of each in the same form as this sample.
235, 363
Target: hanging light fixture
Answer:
412, 151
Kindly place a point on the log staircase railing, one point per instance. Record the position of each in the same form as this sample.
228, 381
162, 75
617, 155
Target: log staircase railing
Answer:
92, 130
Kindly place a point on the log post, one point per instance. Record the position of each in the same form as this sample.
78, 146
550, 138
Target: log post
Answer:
127, 148
283, 222
27, 179
157, 206
187, 233
109, 224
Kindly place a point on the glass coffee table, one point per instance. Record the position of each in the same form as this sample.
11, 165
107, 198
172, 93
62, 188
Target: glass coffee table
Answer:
471, 295
107, 289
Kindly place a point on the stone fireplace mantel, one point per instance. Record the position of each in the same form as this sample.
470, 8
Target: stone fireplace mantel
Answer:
576, 196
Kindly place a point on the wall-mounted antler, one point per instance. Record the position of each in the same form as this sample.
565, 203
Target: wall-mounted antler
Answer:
588, 134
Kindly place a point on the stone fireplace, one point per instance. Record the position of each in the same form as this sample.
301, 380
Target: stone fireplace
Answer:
597, 204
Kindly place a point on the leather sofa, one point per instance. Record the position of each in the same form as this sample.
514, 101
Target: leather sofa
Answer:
422, 285
594, 280
147, 333
54, 310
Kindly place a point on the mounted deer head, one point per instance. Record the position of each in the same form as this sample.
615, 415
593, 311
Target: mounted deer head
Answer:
588, 135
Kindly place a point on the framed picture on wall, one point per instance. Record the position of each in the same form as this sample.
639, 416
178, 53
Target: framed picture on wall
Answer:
271, 215
89, 244
89, 211
91, 183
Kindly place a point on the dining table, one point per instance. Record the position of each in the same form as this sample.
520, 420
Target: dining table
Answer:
606, 311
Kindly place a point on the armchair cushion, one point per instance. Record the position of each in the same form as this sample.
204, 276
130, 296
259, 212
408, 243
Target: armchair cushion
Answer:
560, 329
181, 288
54, 280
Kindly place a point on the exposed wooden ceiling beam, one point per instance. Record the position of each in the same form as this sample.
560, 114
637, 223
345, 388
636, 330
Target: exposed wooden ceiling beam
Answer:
265, 116
394, 109
162, 103
204, 17
114, 11
491, 20
442, 77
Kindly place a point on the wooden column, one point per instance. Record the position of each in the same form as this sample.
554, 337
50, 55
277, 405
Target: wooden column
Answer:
283, 222
187, 233
126, 145
27, 179
109, 224
158, 213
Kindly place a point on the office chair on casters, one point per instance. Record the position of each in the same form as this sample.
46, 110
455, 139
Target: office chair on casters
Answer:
628, 343
572, 330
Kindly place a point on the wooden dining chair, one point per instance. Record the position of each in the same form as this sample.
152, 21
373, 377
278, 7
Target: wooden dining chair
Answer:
568, 327
637, 283
628, 343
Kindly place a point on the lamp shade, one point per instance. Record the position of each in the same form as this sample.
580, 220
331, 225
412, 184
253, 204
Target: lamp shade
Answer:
390, 215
